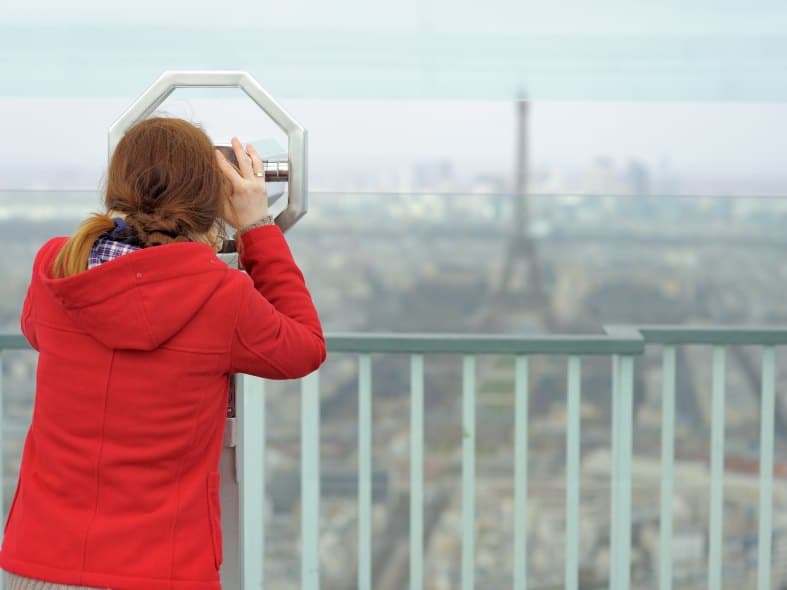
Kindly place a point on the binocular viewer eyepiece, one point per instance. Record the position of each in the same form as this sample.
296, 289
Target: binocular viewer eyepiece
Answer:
275, 170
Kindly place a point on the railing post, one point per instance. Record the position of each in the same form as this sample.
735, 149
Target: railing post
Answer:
416, 471
667, 466
364, 472
573, 448
250, 402
520, 472
310, 482
765, 524
716, 514
468, 472
622, 417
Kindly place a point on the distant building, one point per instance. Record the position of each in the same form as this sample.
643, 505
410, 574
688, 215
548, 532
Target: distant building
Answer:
637, 178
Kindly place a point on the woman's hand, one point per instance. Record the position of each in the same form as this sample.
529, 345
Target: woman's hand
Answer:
248, 202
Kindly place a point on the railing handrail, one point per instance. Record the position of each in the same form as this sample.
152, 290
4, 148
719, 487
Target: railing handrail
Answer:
623, 340
13, 341
454, 343
718, 335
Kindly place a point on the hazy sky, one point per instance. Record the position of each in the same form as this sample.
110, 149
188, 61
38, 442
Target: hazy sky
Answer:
560, 16
701, 85
741, 142
729, 50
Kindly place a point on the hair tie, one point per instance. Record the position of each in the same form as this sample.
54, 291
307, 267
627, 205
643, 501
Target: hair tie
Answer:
120, 227
124, 233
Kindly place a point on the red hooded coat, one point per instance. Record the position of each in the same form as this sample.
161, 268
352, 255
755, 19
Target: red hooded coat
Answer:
119, 480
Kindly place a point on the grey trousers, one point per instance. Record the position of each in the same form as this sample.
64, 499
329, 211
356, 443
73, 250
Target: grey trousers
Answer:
14, 582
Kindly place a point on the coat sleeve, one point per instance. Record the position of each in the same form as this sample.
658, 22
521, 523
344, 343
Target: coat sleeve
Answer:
277, 333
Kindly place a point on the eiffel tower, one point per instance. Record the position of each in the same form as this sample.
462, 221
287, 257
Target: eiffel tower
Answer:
520, 294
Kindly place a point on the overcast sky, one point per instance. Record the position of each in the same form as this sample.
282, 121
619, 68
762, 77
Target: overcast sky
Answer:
701, 85
733, 141
728, 50
559, 16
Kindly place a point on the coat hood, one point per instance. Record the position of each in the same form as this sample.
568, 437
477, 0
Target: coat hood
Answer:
141, 299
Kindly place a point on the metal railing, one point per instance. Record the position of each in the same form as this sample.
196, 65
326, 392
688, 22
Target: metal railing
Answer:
621, 344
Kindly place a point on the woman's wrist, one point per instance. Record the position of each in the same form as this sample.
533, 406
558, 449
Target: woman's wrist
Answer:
266, 220
243, 217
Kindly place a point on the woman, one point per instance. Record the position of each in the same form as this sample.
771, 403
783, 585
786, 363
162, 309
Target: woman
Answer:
139, 326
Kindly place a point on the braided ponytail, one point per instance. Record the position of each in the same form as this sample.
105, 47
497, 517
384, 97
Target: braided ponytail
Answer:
156, 229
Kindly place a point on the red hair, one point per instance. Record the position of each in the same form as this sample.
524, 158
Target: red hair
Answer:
164, 178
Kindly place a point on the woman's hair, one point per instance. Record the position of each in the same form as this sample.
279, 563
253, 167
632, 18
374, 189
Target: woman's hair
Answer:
164, 179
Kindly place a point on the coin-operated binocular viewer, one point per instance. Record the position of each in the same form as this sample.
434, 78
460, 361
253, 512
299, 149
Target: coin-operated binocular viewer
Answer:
242, 463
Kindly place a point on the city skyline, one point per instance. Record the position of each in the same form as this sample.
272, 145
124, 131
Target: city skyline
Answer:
708, 148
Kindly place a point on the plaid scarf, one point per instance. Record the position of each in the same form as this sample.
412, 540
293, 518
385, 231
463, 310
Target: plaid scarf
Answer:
109, 246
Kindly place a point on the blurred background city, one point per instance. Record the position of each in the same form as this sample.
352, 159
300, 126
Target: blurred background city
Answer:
524, 170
